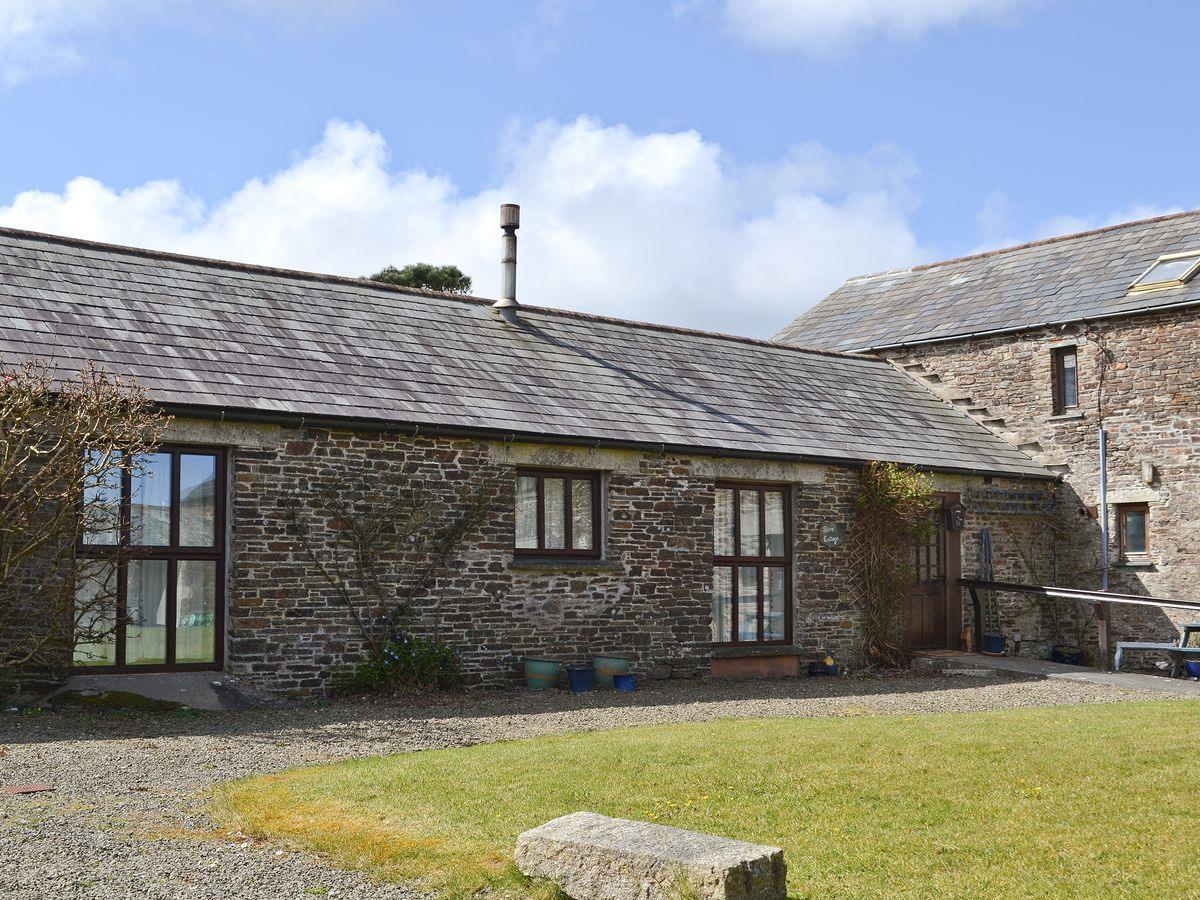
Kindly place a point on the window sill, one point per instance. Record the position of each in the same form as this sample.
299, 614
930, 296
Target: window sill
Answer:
563, 564
1145, 563
735, 651
1073, 416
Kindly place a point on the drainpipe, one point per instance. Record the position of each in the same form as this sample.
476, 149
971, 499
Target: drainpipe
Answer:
1102, 609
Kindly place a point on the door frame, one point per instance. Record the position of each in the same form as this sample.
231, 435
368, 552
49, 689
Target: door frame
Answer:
951, 589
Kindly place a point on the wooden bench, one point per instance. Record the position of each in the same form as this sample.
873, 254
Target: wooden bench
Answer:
1179, 653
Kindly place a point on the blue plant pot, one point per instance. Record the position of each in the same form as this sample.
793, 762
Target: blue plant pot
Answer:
1193, 668
626, 683
581, 680
994, 644
609, 666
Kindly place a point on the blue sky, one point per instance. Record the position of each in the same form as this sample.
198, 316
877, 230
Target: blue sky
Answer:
716, 163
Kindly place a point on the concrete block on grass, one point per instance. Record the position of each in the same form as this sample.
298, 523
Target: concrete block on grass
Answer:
594, 857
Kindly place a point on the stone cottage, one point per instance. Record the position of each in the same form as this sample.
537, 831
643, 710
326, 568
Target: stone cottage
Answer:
1043, 344
678, 496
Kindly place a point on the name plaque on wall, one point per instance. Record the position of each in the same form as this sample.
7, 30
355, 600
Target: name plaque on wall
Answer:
833, 535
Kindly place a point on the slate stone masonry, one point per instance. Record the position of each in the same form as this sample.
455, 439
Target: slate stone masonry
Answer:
1150, 402
649, 597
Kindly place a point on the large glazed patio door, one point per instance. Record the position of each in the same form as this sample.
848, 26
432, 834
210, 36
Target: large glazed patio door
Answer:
168, 509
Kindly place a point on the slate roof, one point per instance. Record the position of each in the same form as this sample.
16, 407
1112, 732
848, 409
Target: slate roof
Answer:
1067, 279
262, 343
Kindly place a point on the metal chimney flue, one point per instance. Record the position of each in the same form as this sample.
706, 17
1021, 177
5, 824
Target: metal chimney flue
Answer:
510, 221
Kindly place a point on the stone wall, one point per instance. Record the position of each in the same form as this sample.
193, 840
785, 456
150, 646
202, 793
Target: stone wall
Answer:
289, 629
648, 597
1148, 396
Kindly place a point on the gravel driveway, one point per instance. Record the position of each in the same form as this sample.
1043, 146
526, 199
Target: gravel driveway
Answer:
128, 817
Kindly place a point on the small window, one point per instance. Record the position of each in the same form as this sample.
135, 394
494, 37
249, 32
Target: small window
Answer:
1065, 379
1168, 271
1133, 522
558, 514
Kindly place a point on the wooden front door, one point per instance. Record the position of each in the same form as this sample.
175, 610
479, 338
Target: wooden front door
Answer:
934, 613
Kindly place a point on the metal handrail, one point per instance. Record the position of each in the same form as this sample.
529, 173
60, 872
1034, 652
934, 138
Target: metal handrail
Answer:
1075, 594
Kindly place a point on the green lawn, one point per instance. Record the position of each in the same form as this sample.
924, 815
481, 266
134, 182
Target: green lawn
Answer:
1079, 801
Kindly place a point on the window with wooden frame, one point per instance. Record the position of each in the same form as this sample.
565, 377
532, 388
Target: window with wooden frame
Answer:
1171, 270
168, 509
558, 514
1133, 530
752, 559
1065, 379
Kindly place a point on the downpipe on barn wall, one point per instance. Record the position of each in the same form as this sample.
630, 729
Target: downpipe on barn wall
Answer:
1102, 609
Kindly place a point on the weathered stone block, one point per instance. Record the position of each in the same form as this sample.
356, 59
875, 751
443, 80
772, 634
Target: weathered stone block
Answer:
594, 857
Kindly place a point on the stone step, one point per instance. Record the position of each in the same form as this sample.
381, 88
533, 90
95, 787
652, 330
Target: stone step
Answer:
994, 422
950, 666
594, 857
1030, 447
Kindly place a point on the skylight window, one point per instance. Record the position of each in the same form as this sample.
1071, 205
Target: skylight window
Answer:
1168, 271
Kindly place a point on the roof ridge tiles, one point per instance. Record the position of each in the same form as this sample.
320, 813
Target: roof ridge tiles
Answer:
1041, 242
349, 280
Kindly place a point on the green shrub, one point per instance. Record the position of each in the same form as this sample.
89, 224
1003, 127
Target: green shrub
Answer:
406, 661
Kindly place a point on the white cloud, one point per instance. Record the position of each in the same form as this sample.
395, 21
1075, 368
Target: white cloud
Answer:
659, 227
996, 216
821, 27
38, 37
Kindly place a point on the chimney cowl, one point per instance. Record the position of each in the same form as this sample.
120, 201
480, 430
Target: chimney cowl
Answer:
510, 221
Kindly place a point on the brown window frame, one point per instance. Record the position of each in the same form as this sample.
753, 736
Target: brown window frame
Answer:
1058, 376
760, 561
173, 553
1123, 511
567, 551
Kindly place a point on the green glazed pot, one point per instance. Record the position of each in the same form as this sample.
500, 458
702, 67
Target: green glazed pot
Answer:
541, 674
609, 666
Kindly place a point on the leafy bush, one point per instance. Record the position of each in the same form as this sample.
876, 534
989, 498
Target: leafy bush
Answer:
406, 661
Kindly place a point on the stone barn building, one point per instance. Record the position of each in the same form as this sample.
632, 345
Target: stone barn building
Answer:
1043, 344
673, 495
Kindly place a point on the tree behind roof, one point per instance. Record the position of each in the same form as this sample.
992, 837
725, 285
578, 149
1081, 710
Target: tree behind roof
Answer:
448, 279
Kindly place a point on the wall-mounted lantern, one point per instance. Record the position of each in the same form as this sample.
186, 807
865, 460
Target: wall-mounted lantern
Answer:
956, 516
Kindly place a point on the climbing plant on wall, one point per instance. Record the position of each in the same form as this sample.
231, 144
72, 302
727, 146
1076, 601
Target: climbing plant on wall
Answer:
379, 542
892, 511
